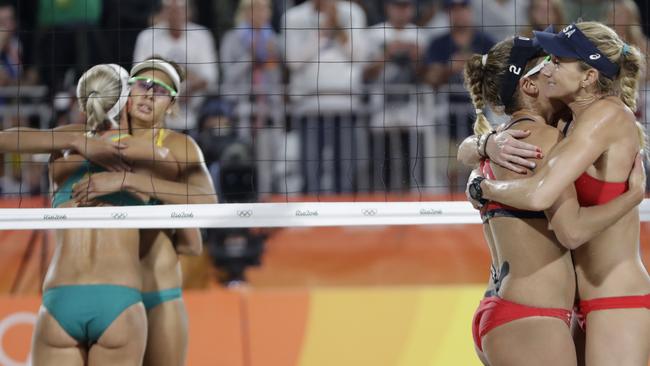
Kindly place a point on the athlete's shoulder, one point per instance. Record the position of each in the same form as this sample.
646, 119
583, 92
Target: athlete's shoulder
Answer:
605, 117
183, 146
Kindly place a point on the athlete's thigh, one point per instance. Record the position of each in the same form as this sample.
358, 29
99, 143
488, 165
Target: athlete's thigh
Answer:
167, 339
51, 345
618, 337
123, 342
578, 335
531, 341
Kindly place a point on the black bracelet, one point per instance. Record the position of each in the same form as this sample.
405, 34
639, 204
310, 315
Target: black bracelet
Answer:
486, 142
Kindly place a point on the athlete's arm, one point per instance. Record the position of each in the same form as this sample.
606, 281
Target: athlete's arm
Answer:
570, 158
188, 241
574, 225
194, 185
70, 137
504, 149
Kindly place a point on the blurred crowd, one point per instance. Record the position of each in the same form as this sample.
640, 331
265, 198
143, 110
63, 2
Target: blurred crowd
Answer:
285, 96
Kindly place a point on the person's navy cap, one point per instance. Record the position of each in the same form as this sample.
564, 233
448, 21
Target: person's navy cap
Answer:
523, 50
572, 43
449, 3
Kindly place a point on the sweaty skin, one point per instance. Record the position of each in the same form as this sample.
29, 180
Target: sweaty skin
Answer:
541, 272
159, 249
602, 142
90, 256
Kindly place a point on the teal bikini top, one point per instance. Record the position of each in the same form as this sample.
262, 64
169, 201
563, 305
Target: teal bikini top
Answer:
121, 198
64, 194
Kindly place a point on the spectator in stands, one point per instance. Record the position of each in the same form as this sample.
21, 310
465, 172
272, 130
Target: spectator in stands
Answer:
69, 40
501, 18
542, 13
372, 9
10, 48
624, 17
128, 18
324, 51
433, 20
250, 58
586, 10
391, 73
214, 132
176, 38
445, 59
446, 55
251, 61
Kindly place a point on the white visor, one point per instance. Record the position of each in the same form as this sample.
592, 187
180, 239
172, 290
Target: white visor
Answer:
161, 65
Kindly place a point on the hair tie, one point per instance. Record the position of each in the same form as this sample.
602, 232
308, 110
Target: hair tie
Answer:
478, 111
91, 93
484, 59
626, 49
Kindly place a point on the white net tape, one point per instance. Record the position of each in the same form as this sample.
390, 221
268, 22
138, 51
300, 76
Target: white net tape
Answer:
299, 214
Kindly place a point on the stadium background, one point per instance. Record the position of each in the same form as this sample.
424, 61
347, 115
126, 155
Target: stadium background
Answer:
400, 295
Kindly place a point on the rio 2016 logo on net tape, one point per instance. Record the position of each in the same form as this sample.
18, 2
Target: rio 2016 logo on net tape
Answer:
7, 323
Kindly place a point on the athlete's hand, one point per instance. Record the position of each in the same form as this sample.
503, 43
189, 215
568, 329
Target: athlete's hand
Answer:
91, 187
505, 149
106, 154
637, 179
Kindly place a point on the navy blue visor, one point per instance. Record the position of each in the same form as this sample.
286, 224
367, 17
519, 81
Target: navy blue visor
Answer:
572, 43
523, 50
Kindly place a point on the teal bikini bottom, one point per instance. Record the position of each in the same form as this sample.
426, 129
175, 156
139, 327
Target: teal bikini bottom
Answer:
86, 311
155, 298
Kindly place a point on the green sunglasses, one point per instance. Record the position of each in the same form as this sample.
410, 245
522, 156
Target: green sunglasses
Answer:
159, 87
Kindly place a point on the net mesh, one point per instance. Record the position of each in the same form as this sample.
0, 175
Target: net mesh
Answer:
288, 101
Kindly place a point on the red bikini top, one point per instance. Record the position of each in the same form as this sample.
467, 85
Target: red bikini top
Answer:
592, 191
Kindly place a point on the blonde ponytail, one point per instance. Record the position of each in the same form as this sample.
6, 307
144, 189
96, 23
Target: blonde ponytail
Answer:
99, 89
474, 74
628, 58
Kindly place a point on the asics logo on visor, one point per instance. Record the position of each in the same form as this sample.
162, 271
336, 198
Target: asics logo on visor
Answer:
594, 56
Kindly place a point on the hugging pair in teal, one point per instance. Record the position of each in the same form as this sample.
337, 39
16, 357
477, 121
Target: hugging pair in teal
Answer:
86, 311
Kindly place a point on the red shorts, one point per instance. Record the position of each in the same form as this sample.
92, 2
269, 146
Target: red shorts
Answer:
605, 303
494, 311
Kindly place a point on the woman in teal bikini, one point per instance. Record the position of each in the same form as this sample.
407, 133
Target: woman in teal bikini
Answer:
92, 314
